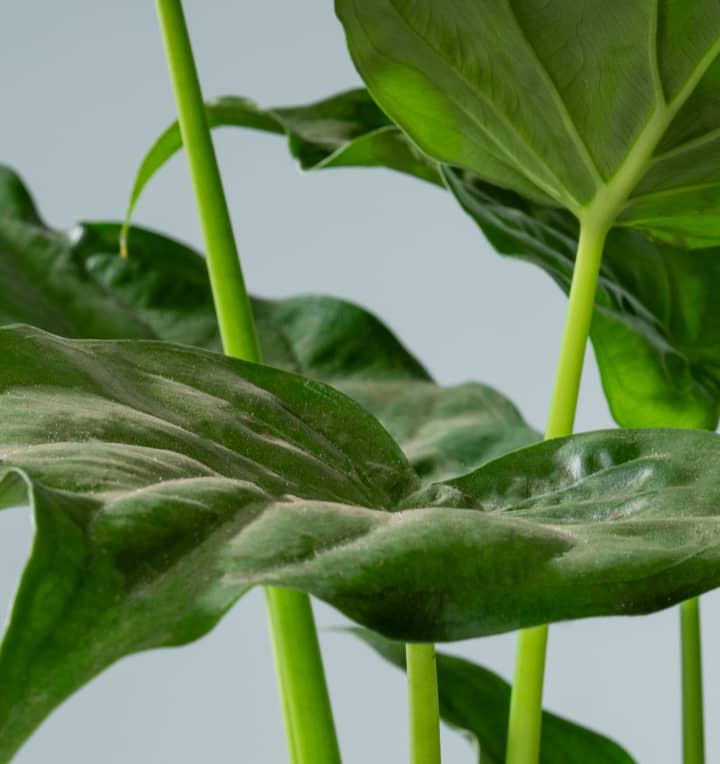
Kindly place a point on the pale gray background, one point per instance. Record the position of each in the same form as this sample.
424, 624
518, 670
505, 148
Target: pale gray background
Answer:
84, 90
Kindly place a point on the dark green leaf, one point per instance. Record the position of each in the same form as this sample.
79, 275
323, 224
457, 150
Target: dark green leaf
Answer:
444, 431
346, 130
477, 701
166, 480
606, 109
153, 471
75, 284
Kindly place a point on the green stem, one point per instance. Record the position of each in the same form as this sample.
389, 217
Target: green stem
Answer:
306, 706
310, 727
232, 305
692, 686
525, 722
423, 703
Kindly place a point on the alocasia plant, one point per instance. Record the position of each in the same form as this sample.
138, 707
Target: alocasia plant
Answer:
166, 480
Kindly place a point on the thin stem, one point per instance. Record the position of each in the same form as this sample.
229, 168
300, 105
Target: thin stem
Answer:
306, 706
525, 723
237, 325
423, 704
692, 685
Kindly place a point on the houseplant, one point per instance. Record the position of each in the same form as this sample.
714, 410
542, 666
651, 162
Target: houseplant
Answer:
514, 468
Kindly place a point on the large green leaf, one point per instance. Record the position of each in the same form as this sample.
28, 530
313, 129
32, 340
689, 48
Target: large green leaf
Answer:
477, 701
153, 471
75, 284
656, 330
608, 109
167, 480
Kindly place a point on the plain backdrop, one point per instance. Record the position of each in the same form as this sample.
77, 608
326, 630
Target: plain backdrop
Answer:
84, 90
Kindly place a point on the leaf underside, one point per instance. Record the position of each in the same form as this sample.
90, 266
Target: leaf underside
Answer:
559, 101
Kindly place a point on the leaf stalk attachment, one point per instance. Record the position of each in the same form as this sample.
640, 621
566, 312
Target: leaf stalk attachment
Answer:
525, 723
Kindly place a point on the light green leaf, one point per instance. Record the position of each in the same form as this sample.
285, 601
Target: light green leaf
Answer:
608, 109
166, 480
347, 130
477, 701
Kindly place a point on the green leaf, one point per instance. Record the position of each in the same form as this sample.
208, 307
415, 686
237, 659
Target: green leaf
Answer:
606, 109
167, 480
75, 284
477, 701
656, 328
444, 431
163, 481
346, 130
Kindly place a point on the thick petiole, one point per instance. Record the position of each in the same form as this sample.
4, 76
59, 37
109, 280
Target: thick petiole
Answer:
525, 723
308, 716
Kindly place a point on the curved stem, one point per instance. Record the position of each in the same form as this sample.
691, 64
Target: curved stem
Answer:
423, 704
692, 686
525, 723
306, 706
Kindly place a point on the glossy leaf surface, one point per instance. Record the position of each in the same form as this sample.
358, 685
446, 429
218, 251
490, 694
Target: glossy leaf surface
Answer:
477, 702
608, 109
166, 480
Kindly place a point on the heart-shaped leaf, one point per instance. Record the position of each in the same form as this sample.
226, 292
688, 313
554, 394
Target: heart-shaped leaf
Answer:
477, 701
606, 109
146, 464
166, 480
